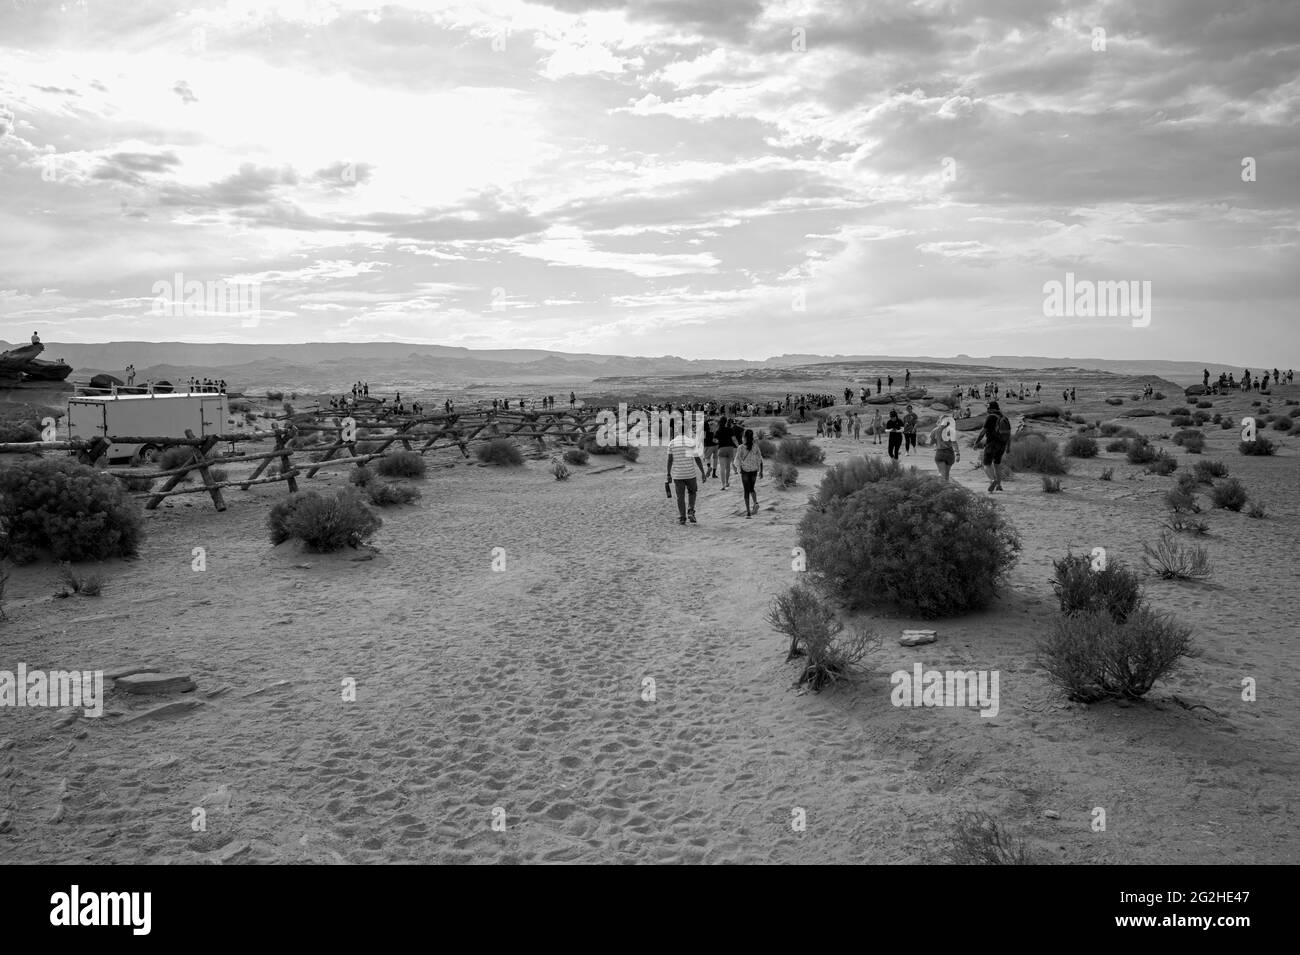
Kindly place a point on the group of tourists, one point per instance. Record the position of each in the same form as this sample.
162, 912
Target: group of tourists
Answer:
728, 447
212, 385
1229, 382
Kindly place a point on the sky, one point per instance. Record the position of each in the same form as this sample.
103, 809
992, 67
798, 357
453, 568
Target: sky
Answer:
702, 178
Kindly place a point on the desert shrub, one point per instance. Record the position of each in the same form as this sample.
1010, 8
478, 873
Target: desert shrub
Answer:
177, 456
361, 476
630, 452
1230, 494
1078, 419
1204, 404
1082, 590
323, 524
576, 456
1163, 464
1257, 511
589, 444
1173, 561
979, 839
1159, 396
409, 464
134, 484
1140, 452
1217, 418
1282, 424
1079, 446
1181, 501
778, 429
799, 451
1260, 447
767, 448
1094, 657
1187, 481
1207, 471
1182, 524
1051, 485
1118, 445
1110, 429
854, 474
1256, 404
1193, 442
71, 582
386, 494
1107, 474
559, 469
1034, 452
927, 545
288, 410
785, 475
1295, 412
1199, 418
1179, 411
1225, 425
18, 432
1182, 421
238, 406
75, 511
817, 635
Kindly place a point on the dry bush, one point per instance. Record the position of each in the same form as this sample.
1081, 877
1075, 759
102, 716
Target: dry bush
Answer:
1170, 560
1257, 511
1140, 452
1260, 447
559, 469
74, 511
1035, 452
405, 464
1081, 590
1051, 485
1164, 464
829, 656
1282, 424
385, 494
1107, 474
1193, 442
88, 585
360, 475
1080, 446
979, 839
799, 451
852, 475
1094, 657
785, 475
323, 524
1230, 495
576, 456
1207, 471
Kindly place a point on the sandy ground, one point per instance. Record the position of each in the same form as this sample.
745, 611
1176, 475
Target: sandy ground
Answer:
521, 690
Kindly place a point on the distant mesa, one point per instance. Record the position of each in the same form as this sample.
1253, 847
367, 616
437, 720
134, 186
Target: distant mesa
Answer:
22, 363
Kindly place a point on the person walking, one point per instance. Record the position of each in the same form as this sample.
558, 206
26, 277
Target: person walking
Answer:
857, 426
995, 437
907, 378
749, 461
877, 386
726, 450
711, 447
895, 428
682, 464
877, 427
909, 431
947, 452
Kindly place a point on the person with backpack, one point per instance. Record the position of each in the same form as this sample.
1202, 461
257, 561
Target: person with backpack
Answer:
995, 436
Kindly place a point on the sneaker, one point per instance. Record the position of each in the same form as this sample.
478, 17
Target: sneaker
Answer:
682, 521
691, 517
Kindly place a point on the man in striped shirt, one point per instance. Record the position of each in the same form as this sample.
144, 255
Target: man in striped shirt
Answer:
683, 460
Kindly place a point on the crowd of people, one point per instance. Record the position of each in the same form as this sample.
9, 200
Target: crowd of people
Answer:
1228, 382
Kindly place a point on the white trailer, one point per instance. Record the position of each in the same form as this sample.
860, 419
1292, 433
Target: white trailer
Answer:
145, 416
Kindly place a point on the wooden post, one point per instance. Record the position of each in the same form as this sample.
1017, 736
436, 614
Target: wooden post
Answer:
213, 488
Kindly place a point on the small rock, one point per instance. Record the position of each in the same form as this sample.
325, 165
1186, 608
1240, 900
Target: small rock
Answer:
6, 822
1051, 814
233, 850
915, 638
213, 694
155, 683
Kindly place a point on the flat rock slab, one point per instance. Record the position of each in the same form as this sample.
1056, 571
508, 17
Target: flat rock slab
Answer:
915, 638
155, 683
167, 709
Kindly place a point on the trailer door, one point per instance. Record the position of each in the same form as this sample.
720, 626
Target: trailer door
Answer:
87, 419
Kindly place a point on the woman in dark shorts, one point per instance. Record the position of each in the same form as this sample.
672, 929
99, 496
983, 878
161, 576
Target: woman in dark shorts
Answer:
946, 450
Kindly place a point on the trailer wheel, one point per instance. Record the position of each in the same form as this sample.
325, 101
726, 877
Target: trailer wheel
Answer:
147, 454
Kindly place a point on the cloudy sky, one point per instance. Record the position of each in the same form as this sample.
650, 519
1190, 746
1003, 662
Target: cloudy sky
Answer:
706, 178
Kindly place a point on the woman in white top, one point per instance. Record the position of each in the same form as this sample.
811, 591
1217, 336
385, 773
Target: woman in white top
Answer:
749, 461
946, 450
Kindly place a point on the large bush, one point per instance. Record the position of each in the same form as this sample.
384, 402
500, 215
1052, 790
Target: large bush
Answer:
927, 545
1094, 657
76, 512
1081, 589
406, 464
1035, 452
1230, 494
575, 456
323, 524
1080, 446
854, 474
1140, 452
799, 451
1261, 446
1193, 442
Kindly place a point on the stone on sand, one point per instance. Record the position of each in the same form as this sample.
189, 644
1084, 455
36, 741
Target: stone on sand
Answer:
155, 683
915, 638
167, 709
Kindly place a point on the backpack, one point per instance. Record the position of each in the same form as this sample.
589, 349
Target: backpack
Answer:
1004, 429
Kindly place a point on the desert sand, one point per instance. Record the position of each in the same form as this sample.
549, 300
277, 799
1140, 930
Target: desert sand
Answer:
522, 689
